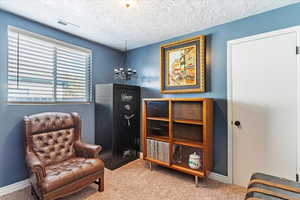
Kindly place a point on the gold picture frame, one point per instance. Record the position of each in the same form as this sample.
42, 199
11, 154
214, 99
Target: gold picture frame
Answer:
182, 66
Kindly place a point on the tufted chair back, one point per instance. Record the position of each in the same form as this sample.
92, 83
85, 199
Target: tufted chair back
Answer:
51, 136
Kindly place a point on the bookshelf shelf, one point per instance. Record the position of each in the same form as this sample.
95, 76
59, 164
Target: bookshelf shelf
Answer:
177, 167
158, 119
157, 162
183, 121
159, 138
174, 129
187, 170
188, 143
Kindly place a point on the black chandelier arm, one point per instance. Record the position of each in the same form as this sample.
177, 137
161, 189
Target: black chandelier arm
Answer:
124, 72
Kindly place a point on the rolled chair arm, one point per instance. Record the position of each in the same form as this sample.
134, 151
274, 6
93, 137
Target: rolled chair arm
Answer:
87, 150
35, 166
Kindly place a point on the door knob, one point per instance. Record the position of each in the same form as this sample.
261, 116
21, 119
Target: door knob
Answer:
237, 123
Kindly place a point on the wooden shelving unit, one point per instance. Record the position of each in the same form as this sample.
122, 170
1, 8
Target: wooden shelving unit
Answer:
182, 125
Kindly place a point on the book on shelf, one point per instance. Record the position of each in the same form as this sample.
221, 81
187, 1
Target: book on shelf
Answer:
152, 149
158, 150
166, 150
160, 154
148, 148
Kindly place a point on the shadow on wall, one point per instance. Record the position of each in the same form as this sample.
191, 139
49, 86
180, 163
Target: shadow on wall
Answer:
208, 62
150, 92
10, 141
220, 136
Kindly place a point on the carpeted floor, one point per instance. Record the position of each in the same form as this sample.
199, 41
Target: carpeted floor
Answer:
135, 181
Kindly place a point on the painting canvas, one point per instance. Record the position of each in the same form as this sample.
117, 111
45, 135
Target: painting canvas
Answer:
183, 66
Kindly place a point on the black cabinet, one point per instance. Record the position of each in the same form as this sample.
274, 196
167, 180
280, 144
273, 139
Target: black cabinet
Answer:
117, 123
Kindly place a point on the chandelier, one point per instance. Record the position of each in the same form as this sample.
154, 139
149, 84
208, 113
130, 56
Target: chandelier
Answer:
124, 71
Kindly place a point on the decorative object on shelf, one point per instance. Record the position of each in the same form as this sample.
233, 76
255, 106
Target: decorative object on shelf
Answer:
124, 71
177, 149
183, 66
194, 161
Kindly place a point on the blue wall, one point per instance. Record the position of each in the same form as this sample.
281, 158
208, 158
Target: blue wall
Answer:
12, 165
147, 61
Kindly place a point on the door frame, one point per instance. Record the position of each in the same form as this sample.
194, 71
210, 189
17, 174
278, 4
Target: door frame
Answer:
230, 44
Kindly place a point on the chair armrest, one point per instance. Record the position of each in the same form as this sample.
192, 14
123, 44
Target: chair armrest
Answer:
35, 166
87, 150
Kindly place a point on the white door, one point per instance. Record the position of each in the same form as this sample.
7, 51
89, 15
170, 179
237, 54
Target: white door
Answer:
264, 102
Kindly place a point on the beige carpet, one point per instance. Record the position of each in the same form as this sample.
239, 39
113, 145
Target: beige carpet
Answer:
135, 181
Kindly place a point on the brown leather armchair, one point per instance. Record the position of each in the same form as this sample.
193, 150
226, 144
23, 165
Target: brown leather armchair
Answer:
59, 162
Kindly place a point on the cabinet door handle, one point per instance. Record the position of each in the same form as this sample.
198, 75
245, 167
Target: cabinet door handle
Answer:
128, 118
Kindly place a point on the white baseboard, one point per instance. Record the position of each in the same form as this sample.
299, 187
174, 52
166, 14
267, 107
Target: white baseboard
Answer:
14, 187
219, 177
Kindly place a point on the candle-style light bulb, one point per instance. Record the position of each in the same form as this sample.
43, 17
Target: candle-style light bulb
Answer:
128, 3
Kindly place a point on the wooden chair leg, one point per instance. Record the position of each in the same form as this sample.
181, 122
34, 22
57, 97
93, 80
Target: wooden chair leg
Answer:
101, 184
34, 194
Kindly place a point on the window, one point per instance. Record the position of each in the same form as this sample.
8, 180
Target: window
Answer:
46, 70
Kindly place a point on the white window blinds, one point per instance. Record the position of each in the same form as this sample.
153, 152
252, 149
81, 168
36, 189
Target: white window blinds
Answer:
45, 70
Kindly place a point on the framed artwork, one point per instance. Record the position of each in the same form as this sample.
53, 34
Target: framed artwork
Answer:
183, 66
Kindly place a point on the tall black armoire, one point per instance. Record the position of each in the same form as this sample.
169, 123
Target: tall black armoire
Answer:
117, 123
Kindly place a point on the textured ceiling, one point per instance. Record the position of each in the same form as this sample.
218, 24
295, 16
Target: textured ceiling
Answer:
147, 21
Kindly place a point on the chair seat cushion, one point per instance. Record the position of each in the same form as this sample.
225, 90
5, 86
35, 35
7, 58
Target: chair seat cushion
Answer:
70, 170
